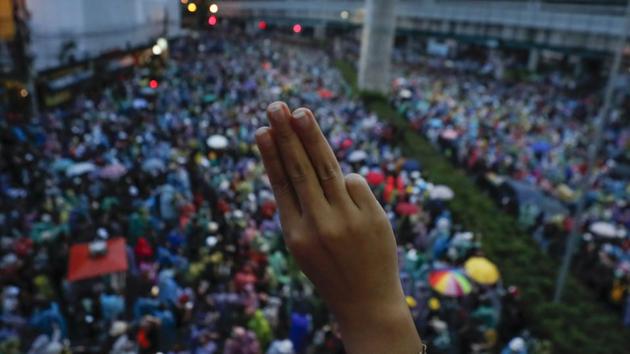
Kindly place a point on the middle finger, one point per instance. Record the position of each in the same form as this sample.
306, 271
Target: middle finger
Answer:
296, 163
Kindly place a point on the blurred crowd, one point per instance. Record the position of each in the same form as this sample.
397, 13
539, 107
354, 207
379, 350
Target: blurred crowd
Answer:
165, 161
527, 143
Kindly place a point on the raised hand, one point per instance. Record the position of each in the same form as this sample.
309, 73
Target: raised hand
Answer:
338, 234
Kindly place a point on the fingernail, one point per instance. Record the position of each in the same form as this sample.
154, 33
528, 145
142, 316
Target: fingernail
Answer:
275, 107
299, 113
275, 113
262, 136
261, 131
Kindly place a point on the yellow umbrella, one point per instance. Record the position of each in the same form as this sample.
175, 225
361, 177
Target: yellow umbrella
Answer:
482, 271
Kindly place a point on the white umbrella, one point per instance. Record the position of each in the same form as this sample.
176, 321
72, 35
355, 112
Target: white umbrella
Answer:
140, 103
441, 193
217, 142
80, 168
153, 164
450, 134
357, 155
606, 229
405, 93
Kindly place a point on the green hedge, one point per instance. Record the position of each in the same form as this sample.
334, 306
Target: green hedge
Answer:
581, 323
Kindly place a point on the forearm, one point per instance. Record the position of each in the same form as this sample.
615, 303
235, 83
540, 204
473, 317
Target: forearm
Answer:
380, 329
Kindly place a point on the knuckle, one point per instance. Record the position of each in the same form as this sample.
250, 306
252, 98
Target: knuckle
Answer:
326, 230
354, 179
327, 172
296, 244
282, 186
297, 172
283, 134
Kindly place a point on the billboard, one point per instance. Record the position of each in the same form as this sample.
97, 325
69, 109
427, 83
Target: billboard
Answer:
7, 22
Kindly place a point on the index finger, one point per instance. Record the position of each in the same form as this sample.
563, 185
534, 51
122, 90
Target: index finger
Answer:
283, 191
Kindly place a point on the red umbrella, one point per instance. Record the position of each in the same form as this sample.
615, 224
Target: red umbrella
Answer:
346, 143
405, 208
143, 248
268, 208
23, 246
83, 264
325, 93
375, 178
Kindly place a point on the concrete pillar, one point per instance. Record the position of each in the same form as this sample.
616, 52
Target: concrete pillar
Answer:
251, 27
534, 57
377, 43
578, 65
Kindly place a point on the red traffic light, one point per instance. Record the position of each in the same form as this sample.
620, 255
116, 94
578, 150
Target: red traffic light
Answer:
153, 84
212, 20
262, 25
297, 28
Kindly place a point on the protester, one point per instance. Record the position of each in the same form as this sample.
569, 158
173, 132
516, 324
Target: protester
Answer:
174, 171
530, 138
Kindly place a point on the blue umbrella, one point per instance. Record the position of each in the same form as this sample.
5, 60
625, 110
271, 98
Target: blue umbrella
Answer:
43, 320
436, 123
112, 306
541, 147
411, 165
175, 238
145, 306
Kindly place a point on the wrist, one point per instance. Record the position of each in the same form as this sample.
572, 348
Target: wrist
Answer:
382, 327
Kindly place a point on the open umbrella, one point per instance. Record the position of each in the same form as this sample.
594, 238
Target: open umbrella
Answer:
436, 123
217, 142
325, 93
450, 283
406, 209
482, 271
357, 155
113, 171
80, 168
606, 230
84, 262
209, 98
541, 147
450, 134
139, 103
375, 178
405, 93
153, 165
61, 164
441, 192
411, 165
565, 193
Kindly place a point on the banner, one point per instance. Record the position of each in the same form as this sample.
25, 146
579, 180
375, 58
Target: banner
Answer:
7, 22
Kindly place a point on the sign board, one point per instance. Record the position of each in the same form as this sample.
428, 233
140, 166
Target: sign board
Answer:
7, 21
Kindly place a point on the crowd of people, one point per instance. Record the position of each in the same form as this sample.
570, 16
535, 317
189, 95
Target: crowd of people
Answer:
165, 160
534, 136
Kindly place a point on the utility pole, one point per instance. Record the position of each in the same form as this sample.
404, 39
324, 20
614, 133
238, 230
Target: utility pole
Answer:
601, 121
23, 40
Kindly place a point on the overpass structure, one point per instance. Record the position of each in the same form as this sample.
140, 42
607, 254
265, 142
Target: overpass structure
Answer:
582, 28
587, 26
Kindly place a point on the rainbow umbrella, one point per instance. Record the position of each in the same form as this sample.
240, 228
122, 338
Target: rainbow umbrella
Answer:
450, 283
